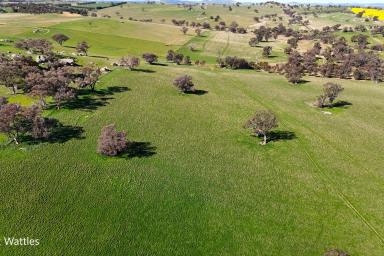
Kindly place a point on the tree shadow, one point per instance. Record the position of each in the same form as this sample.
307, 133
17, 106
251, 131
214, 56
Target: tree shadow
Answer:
143, 70
281, 135
159, 64
67, 46
99, 57
197, 92
138, 149
93, 99
59, 134
341, 104
86, 103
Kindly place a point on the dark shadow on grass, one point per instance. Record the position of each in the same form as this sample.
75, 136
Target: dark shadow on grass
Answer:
143, 70
281, 135
272, 56
139, 149
59, 134
67, 46
99, 57
160, 64
92, 99
341, 104
197, 92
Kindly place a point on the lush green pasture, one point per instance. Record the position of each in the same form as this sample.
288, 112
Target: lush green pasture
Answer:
219, 43
157, 12
194, 181
163, 33
16, 23
199, 183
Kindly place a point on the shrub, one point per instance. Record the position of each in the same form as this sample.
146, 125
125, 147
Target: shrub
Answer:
130, 62
184, 83
111, 142
150, 57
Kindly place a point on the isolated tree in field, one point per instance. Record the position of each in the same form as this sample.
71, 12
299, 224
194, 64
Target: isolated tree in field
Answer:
130, 62
261, 123
17, 121
267, 50
253, 42
89, 77
184, 83
111, 142
150, 58
60, 38
82, 48
184, 30
330, 92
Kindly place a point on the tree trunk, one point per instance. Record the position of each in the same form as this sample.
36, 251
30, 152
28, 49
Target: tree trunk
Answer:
264, 139
42, 102
14, 89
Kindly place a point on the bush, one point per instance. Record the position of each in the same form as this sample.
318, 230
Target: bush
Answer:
111, 142
130, 62
233, 63
150, 57
184, 83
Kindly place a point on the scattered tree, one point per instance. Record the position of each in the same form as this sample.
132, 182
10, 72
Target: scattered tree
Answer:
130, 62
267, 50
111, 142
184, 83
261, 123
60, 38
82, 48
150, 58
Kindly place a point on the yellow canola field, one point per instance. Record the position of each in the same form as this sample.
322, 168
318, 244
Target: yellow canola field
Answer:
370, 12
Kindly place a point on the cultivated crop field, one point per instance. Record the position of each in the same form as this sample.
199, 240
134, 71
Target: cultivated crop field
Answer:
193, 180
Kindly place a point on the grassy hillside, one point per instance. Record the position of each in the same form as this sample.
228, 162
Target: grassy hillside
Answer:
157, 13
194, 181
198, 183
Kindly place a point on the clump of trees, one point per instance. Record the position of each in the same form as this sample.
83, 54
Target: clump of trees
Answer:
150, 58
184, 83
38, 46
60, 38
111, 142
17, 122
262, 123
13, 71
52, 82
233, 63
330, 92
130, 62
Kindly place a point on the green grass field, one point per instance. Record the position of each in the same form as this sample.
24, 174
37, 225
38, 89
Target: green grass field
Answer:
195, 182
